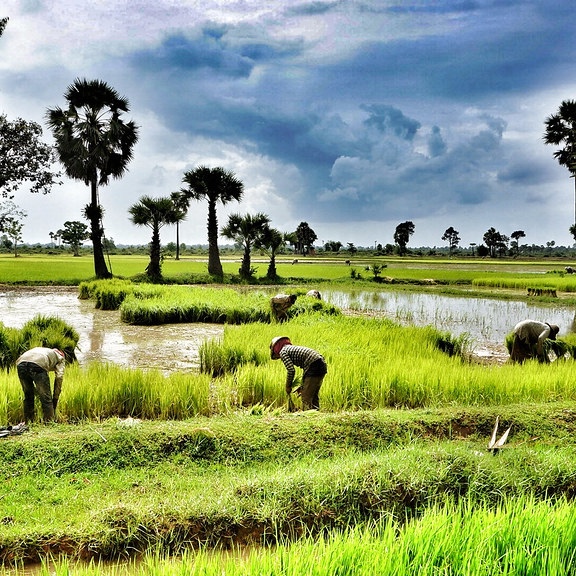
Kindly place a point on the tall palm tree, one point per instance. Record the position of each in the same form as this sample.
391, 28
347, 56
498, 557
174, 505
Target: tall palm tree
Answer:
246, 230
561, 129
93, 143
272, 240
214, 185
154, 213
181, 205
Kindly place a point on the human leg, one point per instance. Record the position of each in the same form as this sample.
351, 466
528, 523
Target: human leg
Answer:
27, 382
42, 381
310, 392
521, 350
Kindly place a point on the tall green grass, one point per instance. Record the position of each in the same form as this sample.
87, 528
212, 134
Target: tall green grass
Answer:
100, 391
520, 537
374, 363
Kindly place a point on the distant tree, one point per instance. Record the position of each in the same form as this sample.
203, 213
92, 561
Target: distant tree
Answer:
495, 242
24, 158
472, 245
572, 231
452, 237
332, 246
248, 231
3, 22
271, 240
9, 211
516, 235
154, 213
74, 233
14, 232
351, 248
11, 217
93, 143
214, 185
561, 130
305, 238
402, 235
181, 204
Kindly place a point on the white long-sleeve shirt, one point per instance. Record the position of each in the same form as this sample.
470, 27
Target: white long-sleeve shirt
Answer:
46, 358
532, 331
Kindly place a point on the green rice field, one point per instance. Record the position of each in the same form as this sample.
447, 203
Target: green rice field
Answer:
208, 472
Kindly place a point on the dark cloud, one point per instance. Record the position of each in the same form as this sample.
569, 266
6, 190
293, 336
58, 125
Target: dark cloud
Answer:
311, 8
209, 52
388, 119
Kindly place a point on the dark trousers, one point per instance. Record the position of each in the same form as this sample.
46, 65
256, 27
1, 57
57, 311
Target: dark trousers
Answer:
310, 392
35, 380
525, 350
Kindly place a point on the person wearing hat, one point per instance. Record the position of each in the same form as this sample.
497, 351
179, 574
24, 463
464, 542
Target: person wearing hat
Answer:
313, 367
529, 338
33, 367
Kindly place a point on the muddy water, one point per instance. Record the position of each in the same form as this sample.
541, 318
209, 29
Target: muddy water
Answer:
104, 337
174, 347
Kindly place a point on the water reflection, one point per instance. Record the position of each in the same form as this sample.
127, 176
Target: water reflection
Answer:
487, 321
175, 346
104, 337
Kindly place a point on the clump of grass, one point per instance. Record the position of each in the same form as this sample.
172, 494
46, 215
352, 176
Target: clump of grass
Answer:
46, 331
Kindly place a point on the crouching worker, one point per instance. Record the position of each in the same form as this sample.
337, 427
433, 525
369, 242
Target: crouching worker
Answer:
33, 368
529, 340
313, 366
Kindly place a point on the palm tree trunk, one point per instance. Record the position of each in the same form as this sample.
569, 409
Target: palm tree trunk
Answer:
154, 269
245, 268
100, 268
214, 264
177, 240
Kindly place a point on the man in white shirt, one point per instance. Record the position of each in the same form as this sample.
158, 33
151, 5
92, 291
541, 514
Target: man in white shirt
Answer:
33, 368
529, 338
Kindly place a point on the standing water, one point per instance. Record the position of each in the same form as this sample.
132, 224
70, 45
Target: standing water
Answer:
172, 347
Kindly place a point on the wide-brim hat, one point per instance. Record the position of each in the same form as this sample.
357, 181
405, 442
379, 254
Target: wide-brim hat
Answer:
553, 331
276, 345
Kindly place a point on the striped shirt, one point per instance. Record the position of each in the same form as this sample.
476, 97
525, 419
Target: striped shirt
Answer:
303, 358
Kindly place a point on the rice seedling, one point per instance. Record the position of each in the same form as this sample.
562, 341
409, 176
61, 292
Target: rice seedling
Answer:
374, 363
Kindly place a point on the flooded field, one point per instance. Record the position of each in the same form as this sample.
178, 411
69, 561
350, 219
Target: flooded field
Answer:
103, 336
175, 346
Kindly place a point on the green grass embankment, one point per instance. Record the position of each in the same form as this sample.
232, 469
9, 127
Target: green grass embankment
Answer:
114, 488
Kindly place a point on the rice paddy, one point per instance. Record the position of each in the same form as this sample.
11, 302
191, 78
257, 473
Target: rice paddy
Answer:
206, 472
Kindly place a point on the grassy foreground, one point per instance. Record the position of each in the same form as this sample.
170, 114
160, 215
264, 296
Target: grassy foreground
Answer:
118, 487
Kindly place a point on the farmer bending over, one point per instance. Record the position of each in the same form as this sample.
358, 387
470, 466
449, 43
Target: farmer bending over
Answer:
33, 367
313, 366
529, 338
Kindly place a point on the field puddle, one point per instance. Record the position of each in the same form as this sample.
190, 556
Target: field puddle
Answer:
174, 347
103, 337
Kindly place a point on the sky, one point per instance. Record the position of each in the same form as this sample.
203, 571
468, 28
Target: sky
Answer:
350, 115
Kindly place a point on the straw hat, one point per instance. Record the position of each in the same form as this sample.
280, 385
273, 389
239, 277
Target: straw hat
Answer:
276, 345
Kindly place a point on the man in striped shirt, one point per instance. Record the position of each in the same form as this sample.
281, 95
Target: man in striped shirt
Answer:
313, 366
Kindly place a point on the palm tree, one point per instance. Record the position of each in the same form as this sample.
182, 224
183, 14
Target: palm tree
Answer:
561, 129
246, 230
93, 143
272, 239
154, 213
212, 184
181, 205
